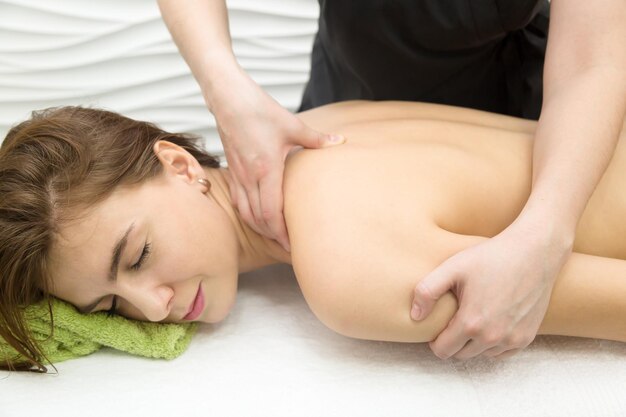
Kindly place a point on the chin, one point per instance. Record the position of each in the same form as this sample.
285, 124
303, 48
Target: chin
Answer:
221, 308
213, 319
218, 314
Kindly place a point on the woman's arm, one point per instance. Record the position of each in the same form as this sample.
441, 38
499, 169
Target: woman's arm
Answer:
588, 298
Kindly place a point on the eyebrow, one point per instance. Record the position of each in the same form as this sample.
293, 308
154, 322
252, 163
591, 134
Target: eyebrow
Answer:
116, 255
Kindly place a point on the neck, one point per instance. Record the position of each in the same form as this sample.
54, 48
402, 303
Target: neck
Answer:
255, 250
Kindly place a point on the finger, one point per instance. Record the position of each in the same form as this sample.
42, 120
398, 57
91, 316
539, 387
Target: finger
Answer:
430, 289
244, 209
472, 349
254, 200
494, 351
248, 194
310, 138
270, 188
450, 341
508, 354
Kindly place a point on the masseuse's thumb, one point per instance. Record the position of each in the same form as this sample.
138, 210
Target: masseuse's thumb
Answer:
313, 139
429, 290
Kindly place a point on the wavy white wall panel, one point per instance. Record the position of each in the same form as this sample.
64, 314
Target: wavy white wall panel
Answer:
118, 54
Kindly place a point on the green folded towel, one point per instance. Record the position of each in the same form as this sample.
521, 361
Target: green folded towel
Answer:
77, 334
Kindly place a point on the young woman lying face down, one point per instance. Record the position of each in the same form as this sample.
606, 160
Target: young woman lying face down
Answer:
110, 213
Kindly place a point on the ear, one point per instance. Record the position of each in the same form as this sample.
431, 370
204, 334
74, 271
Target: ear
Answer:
178, 162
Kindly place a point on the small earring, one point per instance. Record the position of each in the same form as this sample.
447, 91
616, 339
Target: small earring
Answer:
206, 183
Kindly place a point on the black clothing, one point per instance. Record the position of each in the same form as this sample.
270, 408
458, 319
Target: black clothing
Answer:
483, 54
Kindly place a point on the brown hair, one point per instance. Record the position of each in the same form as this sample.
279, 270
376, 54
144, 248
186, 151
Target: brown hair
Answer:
60, 159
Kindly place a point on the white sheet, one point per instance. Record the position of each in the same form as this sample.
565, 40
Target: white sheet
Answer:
272, 357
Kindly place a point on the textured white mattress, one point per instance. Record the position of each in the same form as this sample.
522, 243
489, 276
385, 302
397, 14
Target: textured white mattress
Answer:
272, 357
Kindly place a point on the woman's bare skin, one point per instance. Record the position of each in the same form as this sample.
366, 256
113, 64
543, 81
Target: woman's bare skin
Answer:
416, 183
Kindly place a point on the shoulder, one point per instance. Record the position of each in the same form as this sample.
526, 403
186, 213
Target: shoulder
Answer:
356, 264
361, 284
327, 230
337, 115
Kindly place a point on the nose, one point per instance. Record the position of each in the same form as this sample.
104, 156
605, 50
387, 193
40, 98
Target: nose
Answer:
153, 301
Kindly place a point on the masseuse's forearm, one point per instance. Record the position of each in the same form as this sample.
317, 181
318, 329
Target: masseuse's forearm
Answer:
583, 110
575, 139
200, 30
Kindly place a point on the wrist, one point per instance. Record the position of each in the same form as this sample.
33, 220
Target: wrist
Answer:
546, 230
217, 80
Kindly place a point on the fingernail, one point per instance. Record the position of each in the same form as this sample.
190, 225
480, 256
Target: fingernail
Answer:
416, 311
336, 138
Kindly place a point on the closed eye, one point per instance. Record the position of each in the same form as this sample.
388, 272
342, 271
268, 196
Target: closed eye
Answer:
142, 258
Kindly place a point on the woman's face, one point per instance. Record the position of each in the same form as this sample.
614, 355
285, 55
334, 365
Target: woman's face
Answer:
187, 241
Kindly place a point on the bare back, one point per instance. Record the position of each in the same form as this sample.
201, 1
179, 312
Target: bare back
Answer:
363, 216
467, 171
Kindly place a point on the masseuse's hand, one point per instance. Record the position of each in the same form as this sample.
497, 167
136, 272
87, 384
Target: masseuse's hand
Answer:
258, 134
503, 287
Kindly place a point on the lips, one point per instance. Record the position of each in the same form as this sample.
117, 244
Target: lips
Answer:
197, 306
